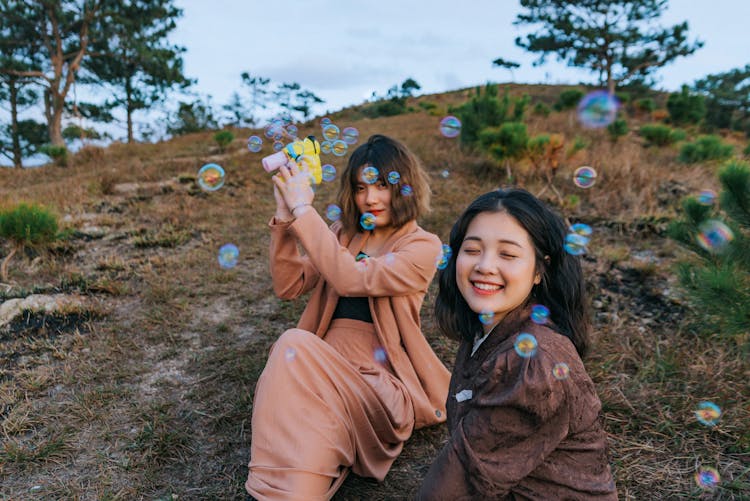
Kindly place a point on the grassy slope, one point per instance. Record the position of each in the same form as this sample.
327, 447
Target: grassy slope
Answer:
150, 393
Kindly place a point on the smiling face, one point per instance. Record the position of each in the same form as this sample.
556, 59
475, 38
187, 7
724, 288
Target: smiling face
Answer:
495, 266
374, 198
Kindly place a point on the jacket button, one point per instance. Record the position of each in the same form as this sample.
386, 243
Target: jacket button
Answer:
438, 413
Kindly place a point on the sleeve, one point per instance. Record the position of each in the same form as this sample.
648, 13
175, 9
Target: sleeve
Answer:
292, 274
407, 269
509, 429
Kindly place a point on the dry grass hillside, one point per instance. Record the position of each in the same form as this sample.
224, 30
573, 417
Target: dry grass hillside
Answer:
144, 391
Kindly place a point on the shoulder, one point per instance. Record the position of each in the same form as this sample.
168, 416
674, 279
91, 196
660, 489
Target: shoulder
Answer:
413, 233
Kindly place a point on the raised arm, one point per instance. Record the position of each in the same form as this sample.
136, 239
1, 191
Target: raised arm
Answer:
407, 269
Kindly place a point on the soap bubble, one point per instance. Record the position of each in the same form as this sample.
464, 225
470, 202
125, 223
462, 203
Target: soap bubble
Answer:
211, 177
370, 174
597, 109
329, 173
560, 371
333, 212
350, 135
228, 256
445, 256
581, 229
707, 477
325, 121
707, 197
486, 317
525, 345
254, 144
394, 177
331, 132
445, 174
290, 354
407, 190
539, 314
367, 221
278, 146
584, 177
380, 355
714, 235
325, 147
708, 413
390, 258
292, 130
339, 148
575, 244
450, 126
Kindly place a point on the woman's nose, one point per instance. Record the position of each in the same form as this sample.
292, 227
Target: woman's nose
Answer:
485, 264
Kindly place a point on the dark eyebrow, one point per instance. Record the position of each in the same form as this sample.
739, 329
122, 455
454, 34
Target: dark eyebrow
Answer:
500, 240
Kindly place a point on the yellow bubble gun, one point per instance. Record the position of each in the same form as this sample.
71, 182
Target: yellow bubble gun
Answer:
304, 152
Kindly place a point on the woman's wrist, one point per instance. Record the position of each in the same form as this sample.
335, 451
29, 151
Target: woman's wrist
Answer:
298, 209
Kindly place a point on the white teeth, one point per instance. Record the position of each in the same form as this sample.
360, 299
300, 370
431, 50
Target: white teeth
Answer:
486, 287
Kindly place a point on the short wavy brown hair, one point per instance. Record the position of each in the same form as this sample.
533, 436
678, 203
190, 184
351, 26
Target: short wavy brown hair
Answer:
387, 155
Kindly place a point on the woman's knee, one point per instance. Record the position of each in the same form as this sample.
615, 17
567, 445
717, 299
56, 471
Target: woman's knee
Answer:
294, 339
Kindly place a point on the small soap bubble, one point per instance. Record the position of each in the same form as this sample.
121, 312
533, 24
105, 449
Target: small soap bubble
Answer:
278, 146
560, 371
486, 317
367, 221
707, 197
539, 314
350, 135
575, 244
450, 126
254, 144
714, 235
584, 177
211, 177
333, 212
707, 478
339, 148
708, 413
597, 109
394, 177
331, 132
329, 173
290, 354
445, 174
406, 190
581, 229
370, 175
445, 256
292, 130
525, 345
390, 258
325, 147
228, 256
380, 355
325, 121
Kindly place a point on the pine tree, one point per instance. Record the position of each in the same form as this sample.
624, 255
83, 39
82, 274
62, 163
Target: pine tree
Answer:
718, 280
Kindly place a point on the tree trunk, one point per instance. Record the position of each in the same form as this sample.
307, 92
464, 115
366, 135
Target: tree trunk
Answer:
17, 155
129, 109
55, 123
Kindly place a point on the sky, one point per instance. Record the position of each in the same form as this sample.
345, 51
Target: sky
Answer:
344, 51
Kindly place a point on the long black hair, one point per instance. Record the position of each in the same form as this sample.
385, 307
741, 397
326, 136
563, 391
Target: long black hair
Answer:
562, 288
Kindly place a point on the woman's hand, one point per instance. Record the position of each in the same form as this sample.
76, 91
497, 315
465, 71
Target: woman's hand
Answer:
292, 189
283, 214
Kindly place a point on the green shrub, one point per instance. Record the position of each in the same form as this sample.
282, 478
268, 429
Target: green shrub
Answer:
59, 154
541, 109
223, 138
386, 108
746, 151
485, 110
705, 148
717, 283
617, 129
623, 97
26, 226
646, 105
685, 107
568, 99
427, 105
660, 134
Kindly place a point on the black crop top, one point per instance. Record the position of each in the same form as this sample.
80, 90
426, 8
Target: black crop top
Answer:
356, 308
